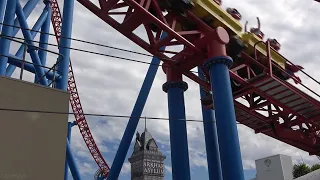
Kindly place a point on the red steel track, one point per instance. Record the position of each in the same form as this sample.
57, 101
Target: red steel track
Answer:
273, 107
75, 99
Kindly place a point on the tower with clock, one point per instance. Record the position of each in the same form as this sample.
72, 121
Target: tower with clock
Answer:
146, 159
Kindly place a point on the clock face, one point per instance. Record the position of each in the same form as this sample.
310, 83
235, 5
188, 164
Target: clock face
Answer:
267, 162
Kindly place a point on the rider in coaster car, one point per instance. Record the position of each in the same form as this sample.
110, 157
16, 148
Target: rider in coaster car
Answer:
274, 44
257, 30
234, 13
291, 70
219, 2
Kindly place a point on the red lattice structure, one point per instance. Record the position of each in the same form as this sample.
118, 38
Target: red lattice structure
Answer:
75, 99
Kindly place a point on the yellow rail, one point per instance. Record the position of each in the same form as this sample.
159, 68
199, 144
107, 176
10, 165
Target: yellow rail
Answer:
251, 39
209, 9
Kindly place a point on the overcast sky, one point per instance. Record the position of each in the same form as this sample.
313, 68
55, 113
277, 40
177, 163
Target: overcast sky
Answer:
110, 86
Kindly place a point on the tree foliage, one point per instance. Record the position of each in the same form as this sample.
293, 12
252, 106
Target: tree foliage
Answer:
315, 167
300, 170
303, 169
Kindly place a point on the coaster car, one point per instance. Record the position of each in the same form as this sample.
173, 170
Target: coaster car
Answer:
212, 14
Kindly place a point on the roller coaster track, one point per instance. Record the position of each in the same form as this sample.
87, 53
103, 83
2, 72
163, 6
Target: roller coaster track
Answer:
276, 108
56, 19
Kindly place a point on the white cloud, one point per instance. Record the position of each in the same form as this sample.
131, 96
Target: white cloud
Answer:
169, 169
86, 168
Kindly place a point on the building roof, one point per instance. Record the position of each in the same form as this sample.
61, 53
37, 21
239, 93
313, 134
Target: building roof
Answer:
314, 175
145, 141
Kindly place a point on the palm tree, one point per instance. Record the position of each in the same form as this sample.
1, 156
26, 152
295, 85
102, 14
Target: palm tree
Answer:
300, 170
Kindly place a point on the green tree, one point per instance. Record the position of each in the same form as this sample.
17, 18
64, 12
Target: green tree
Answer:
300, 170
315, 167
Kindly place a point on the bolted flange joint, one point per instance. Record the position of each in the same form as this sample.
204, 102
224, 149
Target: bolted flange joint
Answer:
219, 60
181, 84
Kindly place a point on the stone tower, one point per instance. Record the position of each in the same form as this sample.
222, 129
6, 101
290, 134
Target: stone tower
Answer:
146, 159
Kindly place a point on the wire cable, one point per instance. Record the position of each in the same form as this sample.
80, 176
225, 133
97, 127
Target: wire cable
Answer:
109, 115
125, 50
101, 115
91, 52
82, 50
80, 40
123, 58
92, 43
120, 49
133, 60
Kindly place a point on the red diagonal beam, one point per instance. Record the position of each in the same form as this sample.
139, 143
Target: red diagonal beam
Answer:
198, 80
162, 25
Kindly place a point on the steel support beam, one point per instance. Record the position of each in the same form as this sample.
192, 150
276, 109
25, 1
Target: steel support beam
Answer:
70, 125
44, 37
134, 120
15, 61
27, 10
19, 54
175, 88
65, 43
2, 11
72, 163
32, 51
63, 67
211, 138
7, 31
229, 145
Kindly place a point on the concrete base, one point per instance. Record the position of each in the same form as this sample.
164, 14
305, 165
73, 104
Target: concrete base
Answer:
33, 145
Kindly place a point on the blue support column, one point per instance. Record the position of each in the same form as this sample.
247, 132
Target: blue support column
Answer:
72, 163
70, 124
62, 83
32, 51
6, 31
211, 138
19, 54
44, 37
65, 43
134, 120
229, 145
2, 10
27, 9
175, 88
